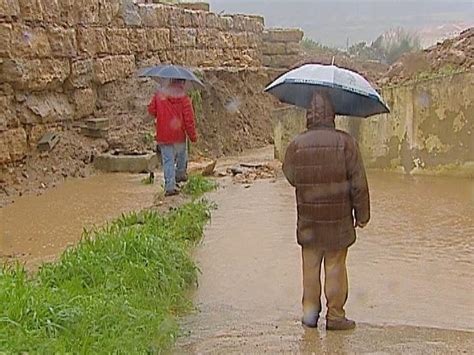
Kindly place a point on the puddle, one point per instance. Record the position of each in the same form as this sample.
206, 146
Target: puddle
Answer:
411, 267
38, 228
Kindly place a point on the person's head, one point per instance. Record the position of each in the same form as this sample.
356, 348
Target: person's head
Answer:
321, 110
174, 87
178, 84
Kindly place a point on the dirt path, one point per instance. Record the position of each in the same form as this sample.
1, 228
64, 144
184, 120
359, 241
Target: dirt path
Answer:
37, 228
410, 273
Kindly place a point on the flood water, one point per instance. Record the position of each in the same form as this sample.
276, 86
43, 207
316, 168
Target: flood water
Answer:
410, 271
37, 228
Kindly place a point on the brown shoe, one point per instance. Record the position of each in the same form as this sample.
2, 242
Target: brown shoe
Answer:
172, 193
340, 324
310, 322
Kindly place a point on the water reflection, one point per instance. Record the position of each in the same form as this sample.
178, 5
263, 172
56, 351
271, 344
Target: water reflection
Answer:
37, 228
411, 267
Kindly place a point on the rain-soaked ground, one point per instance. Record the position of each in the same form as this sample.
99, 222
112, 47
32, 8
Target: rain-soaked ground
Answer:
411, 270
37, 228
411, 273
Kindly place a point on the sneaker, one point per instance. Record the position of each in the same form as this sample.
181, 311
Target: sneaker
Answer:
172, 193
182, 179
340, 324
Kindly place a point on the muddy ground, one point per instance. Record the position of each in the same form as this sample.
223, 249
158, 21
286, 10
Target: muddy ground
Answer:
402, 290
36, 228
410, 273
233, 114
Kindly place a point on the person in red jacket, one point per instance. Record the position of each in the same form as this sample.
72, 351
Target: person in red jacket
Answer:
174, 118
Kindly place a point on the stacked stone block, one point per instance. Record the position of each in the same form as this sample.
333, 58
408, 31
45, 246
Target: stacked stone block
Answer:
281, 47
56, 55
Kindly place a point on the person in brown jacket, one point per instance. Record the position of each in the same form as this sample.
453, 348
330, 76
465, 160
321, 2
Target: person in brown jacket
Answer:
326, 168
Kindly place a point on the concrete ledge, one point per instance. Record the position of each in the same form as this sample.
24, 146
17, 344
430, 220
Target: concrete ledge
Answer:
126, 163
465, 170
94, 133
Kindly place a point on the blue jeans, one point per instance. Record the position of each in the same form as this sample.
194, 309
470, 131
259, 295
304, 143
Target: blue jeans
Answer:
174, 158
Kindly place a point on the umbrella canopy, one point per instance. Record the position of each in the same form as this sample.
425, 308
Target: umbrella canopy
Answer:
350, 93
172, 72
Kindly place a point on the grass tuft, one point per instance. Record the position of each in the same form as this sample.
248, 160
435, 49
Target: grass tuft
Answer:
197, 185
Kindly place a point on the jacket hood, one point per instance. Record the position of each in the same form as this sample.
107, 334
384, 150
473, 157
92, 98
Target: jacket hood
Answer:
321, 111
178, 99
171, 99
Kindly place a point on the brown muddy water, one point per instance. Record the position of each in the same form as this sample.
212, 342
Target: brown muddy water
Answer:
37, 228
411, 273
411, 270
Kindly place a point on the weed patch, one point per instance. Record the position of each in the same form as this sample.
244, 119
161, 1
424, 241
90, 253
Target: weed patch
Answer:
119, 290
198, 185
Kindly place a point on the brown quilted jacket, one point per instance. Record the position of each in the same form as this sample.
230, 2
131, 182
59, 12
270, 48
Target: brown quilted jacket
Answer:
325, 167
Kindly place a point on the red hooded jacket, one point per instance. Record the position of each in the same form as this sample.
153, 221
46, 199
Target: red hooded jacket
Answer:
174, 119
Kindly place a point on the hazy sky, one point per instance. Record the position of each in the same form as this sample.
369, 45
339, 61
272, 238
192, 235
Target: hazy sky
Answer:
334, 22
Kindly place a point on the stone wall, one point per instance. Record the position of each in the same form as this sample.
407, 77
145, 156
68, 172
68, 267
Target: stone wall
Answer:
430, 129
281, 47
57, 55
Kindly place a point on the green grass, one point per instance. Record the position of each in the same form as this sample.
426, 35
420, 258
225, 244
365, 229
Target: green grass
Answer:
148, 180
196, 99
198, 185
445, 70
118, 291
